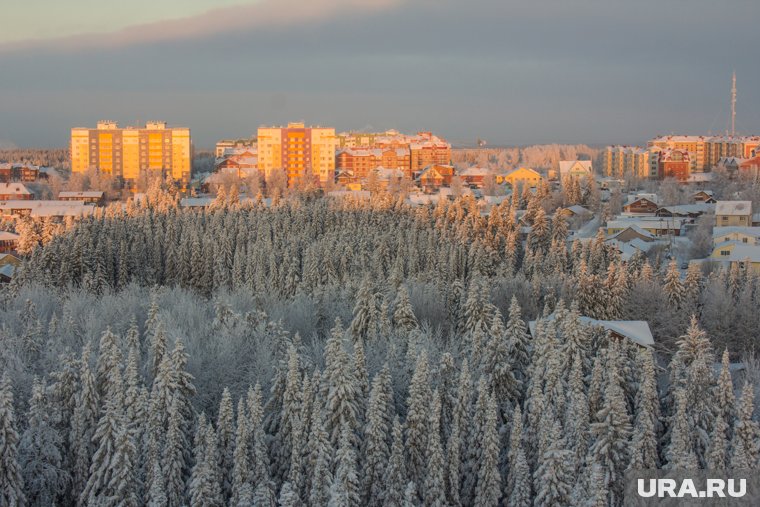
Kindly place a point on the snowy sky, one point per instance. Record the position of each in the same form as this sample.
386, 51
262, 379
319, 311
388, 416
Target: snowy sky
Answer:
579, 71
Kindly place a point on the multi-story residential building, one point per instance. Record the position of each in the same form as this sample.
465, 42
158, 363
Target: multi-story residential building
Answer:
361, 161
706, 151
227, 146
720, 147
427, 149
733, 213
694, 145
19, 172
130, 152
623, 161
673, 163
303, 152
424, 148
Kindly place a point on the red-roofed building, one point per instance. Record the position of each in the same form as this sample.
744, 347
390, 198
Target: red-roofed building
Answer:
674, 163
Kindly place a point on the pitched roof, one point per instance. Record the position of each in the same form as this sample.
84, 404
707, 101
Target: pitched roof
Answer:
565, 166
719, 232
635, 228
733, 208
94, 194
14, 188
8, 236
635, 330
742, 252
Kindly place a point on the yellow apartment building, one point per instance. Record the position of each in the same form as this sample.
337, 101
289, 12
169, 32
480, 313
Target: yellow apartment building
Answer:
303, 152
129, 152
622, 161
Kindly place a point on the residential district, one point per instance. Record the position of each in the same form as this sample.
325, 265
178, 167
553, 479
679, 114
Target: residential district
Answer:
672, 198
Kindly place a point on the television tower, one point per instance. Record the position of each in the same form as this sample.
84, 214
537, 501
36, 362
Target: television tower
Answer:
733, 104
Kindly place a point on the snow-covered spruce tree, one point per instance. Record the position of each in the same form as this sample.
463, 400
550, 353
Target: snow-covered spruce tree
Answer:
259, 455
497, 367
744, 444
403, 314
345, 486
290, 415
718, 452
520, 493
241, 467
724, 391
646, 422
109, 366
611, 431
364, 311
553, 477
11, 480
376, 444
680, 452
488, 489
418, 420
433, 490
40, 453
288, 496
395, 473
519, 342
476, 308
673, 287
204, 487
320, 461
124, 482
226, 433
342, 393
696, 355
173, 459
576, 416
83, 425
156, 495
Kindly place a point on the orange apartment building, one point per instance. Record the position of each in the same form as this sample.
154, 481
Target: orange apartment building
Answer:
674, 164
305, 153
130, 152
361, 161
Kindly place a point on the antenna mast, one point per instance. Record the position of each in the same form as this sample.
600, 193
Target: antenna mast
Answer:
733, 104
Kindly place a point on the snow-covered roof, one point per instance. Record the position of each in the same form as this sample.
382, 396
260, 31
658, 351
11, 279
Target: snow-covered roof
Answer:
48, 208
635, 330
8, 236
356, 194
733, 208
14, 188
577, 209
91, 194
719, 232
690, 209
637, 229
629, 249
565, 166
648, 223
474, 172
699, 177
195, 202
630, 199
7, 270
742, 252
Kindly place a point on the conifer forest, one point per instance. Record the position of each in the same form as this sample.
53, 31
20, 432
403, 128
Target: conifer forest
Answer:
313, 351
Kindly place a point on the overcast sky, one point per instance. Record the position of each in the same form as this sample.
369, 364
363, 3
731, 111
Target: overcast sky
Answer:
568, 71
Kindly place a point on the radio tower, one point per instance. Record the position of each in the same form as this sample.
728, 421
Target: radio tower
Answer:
733, 105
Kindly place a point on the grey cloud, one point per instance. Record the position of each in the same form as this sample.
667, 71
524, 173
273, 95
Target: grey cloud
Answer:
512, 72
